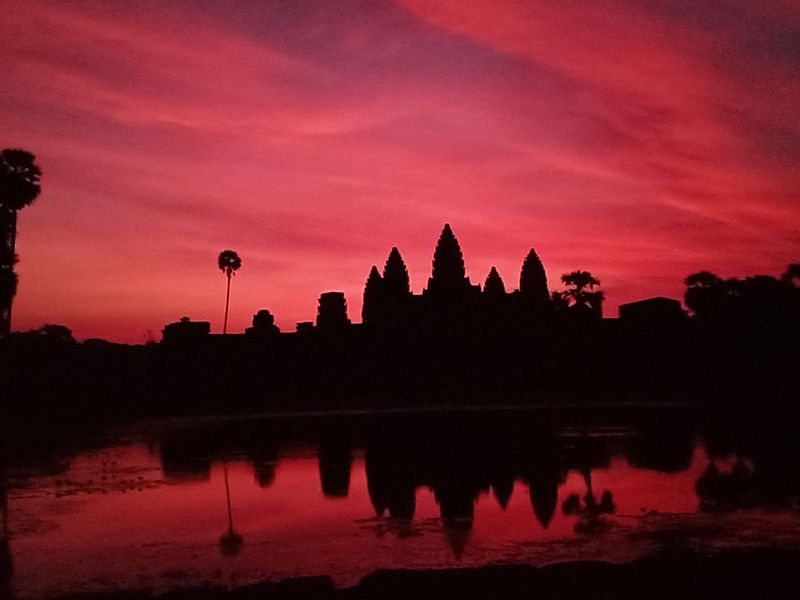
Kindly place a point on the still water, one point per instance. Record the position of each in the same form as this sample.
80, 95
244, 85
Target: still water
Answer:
173, 504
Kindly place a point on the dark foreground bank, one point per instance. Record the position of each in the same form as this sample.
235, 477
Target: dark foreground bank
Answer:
669, 574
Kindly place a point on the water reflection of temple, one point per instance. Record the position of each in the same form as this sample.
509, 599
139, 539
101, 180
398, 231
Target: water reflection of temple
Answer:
458, 462
335, 459
450, 300
450, 297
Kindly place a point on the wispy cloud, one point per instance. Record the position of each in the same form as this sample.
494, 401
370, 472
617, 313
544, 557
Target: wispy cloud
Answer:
641, 140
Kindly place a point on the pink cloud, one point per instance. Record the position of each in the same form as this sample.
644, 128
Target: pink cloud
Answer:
625, 140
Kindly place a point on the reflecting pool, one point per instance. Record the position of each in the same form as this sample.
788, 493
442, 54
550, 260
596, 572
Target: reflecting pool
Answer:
234, 501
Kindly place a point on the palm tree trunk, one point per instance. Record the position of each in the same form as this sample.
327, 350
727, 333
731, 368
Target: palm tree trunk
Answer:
228, 498
227, 304
8, 233
8, 229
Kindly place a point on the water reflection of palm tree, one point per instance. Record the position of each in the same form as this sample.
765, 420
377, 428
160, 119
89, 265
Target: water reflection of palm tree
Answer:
590, 511
231, 542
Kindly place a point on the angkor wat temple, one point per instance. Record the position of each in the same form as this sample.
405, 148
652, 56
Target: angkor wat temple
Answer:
449, 303
450, 297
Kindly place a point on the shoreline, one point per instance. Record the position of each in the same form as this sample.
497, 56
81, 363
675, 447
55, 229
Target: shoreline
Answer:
670, 573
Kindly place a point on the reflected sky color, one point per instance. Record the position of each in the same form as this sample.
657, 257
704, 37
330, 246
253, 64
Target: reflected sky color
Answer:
639, 140
113, 520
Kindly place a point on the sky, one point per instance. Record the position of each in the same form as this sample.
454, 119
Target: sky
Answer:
641, 140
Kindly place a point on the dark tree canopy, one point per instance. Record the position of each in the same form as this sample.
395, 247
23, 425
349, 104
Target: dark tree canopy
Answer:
559, 301
533, 279
792, 274
19, 178
229, 262
702, 279
580, 280
704, 293
19, 187
755, 298
494, 285
395, 276
448, 261
56, 332
580, 295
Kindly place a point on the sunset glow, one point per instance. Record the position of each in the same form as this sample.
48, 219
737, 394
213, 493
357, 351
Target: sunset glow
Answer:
639, 140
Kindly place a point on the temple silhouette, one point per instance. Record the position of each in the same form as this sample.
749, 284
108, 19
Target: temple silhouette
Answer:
449, 302
453, 343
450, 299
458, 460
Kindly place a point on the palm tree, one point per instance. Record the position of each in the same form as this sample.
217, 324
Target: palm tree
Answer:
590, 511
230, 542
792, 274
228, 262
581, 294
19, 187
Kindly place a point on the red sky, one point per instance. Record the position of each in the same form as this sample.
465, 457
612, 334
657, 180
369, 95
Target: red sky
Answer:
639, 139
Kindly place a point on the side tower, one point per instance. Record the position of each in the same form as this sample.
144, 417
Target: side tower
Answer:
396, 285
372, 308
387, 297
496, 304
494, 286
332, 311
533, 281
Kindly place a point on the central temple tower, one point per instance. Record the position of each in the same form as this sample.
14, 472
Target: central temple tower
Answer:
449, 277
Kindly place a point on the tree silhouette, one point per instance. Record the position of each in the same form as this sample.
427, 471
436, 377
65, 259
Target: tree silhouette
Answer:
559, 301
704, 292
581, 295
19, 187
792, 274
8, 289
228, 262
533, 279
56, 333
590, 511
758, 298
494, 285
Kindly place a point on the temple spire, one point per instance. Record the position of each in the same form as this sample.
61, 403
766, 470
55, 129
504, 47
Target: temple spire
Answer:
533, 279
373, 297
448, 265
494, 285
395, 276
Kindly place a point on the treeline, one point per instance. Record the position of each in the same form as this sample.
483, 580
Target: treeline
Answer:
759, 298
739, 346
